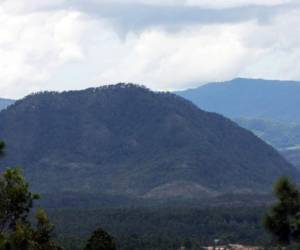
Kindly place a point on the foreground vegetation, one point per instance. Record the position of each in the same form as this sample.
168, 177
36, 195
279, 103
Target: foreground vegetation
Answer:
155, 228
18, 232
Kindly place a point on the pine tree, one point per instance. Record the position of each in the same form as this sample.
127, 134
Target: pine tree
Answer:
100, 240
16, 202
283, 219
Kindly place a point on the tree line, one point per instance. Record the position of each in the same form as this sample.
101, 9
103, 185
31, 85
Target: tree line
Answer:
19, 232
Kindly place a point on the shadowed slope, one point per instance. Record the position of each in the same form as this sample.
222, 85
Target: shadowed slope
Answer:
125, 139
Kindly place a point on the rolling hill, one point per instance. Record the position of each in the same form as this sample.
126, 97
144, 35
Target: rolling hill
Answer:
127, 140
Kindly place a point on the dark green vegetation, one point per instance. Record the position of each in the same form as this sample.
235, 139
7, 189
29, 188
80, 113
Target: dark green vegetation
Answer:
127, 140
2, 146
16, 231
142, 228
16, 202
100, 240
135, 228
267, 108
162, 228
113, 157
283, 219
5, 102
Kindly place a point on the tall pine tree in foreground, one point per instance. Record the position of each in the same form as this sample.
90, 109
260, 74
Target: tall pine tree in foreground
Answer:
16, 202
283, 218
16, 230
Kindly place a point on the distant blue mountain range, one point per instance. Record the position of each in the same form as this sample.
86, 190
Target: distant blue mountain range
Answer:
270, 109
249, 98
5, 102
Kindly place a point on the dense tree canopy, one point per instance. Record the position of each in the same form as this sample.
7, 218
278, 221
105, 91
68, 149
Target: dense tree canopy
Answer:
137, 142
16, 201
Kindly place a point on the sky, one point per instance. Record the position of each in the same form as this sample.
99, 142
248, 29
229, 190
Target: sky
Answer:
164, 45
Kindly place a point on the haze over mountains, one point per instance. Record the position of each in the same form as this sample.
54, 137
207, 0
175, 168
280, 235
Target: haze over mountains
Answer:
127, 140
249, 98
283, 136
267, 108
5, 102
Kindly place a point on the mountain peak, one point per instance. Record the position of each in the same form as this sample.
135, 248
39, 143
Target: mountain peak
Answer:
125, 139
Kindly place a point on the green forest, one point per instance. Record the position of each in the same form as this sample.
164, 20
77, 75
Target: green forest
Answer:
23, 226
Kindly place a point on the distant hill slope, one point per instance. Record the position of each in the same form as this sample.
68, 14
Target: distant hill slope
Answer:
283, 136
280, 135
267, 108
5, 102
124, 139
249, 98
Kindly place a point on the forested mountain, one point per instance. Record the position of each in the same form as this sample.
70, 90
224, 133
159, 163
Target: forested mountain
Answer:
280, 135
163, 228
127, 140
5, 102
249, 98
267, 108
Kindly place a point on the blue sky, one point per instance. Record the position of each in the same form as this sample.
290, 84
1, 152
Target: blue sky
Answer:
165, 45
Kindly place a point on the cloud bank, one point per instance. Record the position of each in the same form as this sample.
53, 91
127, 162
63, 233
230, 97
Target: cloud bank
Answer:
165, 45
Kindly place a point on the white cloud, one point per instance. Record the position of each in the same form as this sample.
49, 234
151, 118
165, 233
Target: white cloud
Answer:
33, 45
171, 61
50, 45
278, 45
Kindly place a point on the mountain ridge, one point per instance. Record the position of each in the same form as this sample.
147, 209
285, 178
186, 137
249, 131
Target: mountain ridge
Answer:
266, 107
249, 98
126, 139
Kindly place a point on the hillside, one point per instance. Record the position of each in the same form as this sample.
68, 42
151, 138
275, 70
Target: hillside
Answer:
126, 140
249, 98
284, 137
267, 108
5, 102
280, 135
